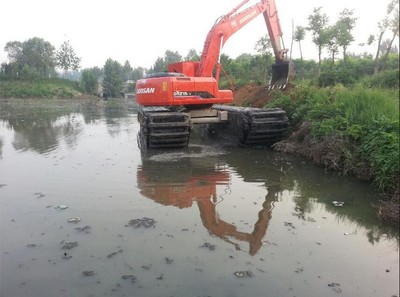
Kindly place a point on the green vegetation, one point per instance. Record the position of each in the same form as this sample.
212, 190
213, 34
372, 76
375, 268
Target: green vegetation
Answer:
39, 88
359, 127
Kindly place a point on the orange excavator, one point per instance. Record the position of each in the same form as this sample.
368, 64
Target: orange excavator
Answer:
171, 102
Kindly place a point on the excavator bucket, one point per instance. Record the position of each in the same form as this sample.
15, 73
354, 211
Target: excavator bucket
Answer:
282, 74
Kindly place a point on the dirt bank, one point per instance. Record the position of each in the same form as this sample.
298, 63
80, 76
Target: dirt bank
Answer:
252, 95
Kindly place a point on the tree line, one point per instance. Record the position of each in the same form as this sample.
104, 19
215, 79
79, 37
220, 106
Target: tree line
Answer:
37, 57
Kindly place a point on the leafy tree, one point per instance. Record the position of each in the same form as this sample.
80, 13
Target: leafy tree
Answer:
14, 51
332, 44
192, 55
138, 73
261, 67
66, 57
299, 35
158, 66
113, 78
228, 65
382, 25
318, 22
391, 21
98, 72
35, 56
393, 11
263, 45
343, 28
172, 57
39, 55
127, 71
89, 81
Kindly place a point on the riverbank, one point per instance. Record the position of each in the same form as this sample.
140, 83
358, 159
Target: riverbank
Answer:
41, 88
352, 131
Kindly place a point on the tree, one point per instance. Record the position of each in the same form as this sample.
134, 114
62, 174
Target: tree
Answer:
35, 56
89, 81
382, 25
299, 35
343, 28
317, 25
138, 73
263, 45
113, 78
332, 44
192, 55
66, 57
158, 66
172, 57
127, 71
14, 51
393, 11
390, 21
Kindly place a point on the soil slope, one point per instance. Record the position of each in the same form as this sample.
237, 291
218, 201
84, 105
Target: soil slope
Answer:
252, 95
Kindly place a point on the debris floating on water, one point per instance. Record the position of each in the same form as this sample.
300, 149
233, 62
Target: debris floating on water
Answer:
143, 222
337, 203
243, 274
210, 246
66, 256
335, 287
39, 195
114, 253
61, 207
69, 245
88, 273
74, 220
85, 229
130, 276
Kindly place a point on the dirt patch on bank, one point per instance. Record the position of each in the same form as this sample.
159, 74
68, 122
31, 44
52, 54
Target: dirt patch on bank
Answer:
252, 95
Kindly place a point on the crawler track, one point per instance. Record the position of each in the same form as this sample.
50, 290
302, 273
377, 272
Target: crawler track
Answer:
254, 126
163, 128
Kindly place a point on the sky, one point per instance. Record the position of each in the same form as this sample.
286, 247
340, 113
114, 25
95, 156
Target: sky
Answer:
140, 31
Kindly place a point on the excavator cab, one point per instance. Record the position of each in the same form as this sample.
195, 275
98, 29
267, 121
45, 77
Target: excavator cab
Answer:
282, 73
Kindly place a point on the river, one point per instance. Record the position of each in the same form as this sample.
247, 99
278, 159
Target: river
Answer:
86, 212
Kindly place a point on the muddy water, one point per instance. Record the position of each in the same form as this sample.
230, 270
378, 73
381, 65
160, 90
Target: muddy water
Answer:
85, 212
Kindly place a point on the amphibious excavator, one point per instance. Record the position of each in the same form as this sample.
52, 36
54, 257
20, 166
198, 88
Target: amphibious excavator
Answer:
187, 93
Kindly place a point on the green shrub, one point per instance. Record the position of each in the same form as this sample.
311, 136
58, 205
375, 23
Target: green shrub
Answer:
367, 118
384, 79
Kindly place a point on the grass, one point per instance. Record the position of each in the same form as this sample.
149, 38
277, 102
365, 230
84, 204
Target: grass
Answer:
365, 120
39, 88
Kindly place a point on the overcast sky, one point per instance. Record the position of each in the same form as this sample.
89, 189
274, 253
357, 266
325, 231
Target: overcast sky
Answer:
140, 31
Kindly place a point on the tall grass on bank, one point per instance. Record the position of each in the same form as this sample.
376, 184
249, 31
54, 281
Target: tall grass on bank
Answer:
366, 121
39, 88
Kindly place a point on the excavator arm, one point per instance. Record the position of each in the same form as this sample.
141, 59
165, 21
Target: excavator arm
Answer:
229, 24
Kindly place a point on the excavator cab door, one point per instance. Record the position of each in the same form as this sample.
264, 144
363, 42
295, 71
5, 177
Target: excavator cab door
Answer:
282, 74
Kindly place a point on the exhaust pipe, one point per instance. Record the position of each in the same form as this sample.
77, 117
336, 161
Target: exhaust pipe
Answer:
282, 74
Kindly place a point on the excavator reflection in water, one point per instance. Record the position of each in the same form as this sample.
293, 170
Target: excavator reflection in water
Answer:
195, 182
